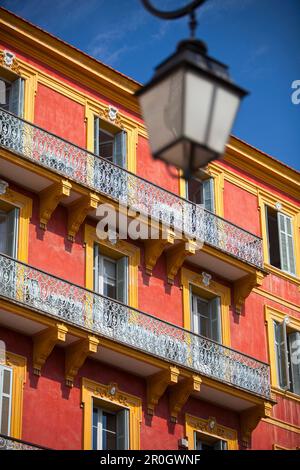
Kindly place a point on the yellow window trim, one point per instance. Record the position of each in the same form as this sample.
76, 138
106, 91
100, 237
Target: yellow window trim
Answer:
111, 395
271, 315
191, 278
282, 424
276, 298
218, 176
120, 248
266, 199
279, 447
93, 109
286, 394
18, 365
25, 204
209, 427
30, 84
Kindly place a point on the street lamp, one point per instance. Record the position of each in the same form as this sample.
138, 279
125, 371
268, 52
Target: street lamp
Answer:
190, 104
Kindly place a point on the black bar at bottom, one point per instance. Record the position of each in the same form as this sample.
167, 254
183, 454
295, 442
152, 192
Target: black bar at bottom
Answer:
136, 459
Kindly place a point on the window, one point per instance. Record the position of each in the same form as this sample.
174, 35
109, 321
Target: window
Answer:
5, 399
111, 276
208, 434
206, 317
110, 429
12, 95
287, 344
205, 442
9, 218
280, 239
110, 143
201, 192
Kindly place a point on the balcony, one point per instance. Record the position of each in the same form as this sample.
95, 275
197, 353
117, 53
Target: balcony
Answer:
82, 167
9, 443
74, 305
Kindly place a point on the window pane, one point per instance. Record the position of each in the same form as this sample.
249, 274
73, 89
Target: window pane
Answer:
106, 145
109, 435
4, 94
109, 289
3, 231
5, 416
273, 237
195, 191
109, 441
200, 316
204, 329
109, 269
109, 422
6, 381
109, 279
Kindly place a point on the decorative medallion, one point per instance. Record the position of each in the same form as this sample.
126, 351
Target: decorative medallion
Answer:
212, 423
9, 60
111, 113
112, 389
3, 187
206, 278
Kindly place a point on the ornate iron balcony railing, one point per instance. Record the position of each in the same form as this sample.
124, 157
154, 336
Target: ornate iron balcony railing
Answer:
10, 443
109, 318
100, 175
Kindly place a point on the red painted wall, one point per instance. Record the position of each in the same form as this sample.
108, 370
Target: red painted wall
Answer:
154, 170
60, 115
241, 208
158, 297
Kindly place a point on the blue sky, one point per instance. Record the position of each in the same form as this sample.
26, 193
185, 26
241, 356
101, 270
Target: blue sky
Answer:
258, 39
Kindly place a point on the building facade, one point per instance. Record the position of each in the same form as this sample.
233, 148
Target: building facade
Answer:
155, 343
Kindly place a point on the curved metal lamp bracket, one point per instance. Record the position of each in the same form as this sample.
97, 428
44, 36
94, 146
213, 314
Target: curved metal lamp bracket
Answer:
175, 14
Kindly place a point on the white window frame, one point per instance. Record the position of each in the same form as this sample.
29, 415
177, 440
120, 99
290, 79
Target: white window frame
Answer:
101, 272
110, 134
195, 315
99, 427
9, 396
199, 436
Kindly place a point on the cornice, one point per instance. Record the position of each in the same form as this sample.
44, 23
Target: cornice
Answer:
262, 166
68, 60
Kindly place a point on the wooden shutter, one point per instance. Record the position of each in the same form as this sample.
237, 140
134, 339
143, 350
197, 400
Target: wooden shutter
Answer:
95, 429
195, 321
100, 273
286, 243
215, 319
123, 430
12, 232
5, 399
16, 97
294, 349
122, 280
96, 267
208, 194
282, 355
96, 135
100, 430
120, 149
3, 231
